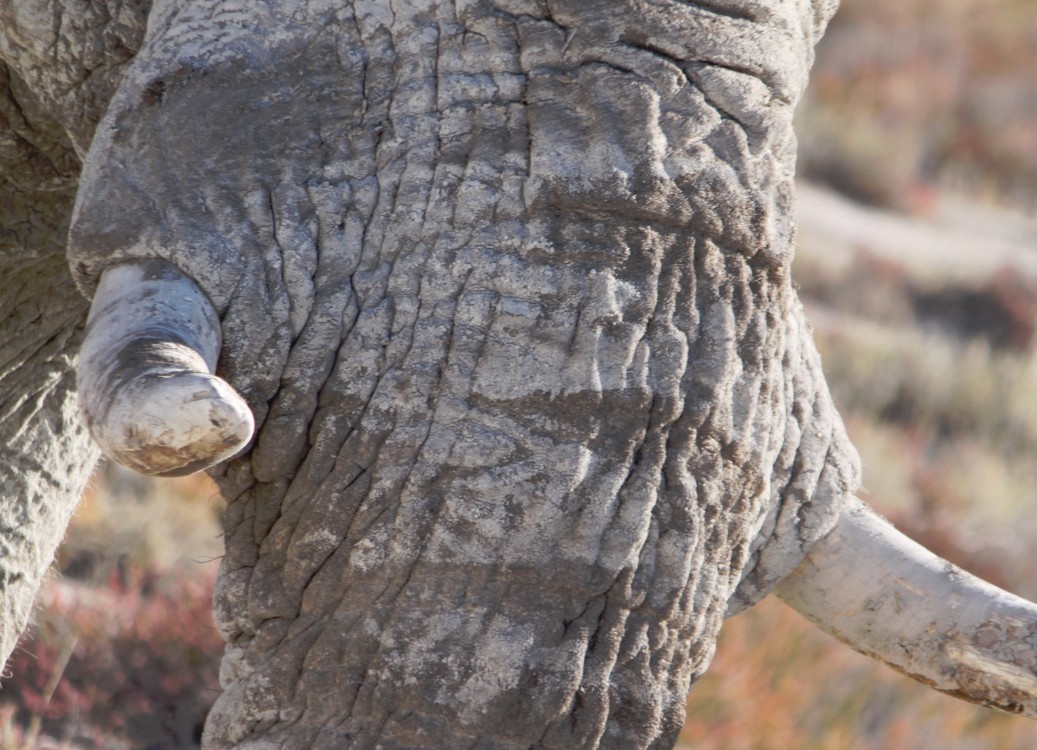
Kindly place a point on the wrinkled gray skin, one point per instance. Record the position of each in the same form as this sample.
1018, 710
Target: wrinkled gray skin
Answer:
506, 285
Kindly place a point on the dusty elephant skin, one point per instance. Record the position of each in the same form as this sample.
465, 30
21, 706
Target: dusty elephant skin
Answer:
531, 385
51, 96
506, 287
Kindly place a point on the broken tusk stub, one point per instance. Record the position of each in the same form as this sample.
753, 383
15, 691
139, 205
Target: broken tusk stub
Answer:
890, 598
145, 375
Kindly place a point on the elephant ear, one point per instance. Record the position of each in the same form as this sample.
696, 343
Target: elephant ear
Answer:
59, 63
68, 62
816, 473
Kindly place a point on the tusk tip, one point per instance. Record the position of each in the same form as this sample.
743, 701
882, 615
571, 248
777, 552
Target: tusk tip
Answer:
175, 424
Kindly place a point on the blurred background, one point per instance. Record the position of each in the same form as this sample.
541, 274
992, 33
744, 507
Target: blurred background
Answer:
917, 263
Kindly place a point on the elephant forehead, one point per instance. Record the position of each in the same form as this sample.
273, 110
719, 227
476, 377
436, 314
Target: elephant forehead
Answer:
499, 119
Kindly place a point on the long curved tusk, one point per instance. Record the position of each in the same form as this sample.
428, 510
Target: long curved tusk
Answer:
145, 376
890, 598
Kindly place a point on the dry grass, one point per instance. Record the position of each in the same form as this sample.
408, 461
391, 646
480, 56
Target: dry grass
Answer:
123, 652
778, 683
911, 94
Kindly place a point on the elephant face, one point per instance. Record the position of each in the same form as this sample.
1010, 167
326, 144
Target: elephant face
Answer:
506, 287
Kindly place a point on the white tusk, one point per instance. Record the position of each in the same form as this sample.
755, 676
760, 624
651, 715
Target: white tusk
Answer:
890, 598
145, 376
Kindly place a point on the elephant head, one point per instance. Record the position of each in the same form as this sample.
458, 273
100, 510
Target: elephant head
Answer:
504, 288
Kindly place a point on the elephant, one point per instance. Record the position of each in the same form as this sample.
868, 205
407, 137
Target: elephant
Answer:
480, 315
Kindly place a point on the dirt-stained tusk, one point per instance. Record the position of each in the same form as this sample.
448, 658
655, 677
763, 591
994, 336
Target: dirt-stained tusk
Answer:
890, 598
145, 376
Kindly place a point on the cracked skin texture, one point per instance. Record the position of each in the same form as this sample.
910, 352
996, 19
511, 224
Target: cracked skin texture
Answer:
55, 81
507, 287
